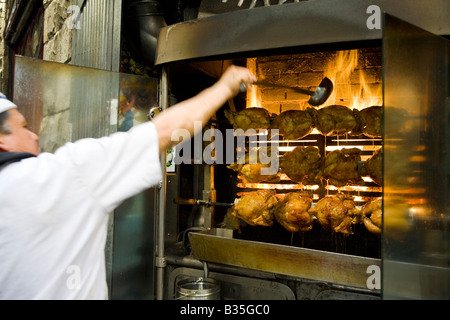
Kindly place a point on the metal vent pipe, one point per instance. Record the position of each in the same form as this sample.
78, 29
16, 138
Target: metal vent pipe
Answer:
142, 22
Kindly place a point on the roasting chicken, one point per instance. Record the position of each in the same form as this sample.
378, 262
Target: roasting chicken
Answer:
340, 167
371, 121
256, 208
251, 118
336, 213
302, 165
334, 120
372, 213
250, 169
293, 124
292, 212
373, 167
230, 221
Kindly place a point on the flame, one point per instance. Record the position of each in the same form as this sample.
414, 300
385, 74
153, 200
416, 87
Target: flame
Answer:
357, 85
352, 87
253, 95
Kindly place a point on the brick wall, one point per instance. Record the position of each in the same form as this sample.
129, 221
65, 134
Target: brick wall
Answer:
307, 70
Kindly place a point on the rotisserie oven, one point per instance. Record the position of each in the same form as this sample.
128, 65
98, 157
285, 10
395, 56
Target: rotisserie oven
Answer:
313, 227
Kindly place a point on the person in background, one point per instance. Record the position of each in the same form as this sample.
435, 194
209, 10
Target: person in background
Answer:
126, 107
54, 208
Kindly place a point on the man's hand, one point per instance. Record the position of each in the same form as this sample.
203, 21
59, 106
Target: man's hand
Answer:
234, 76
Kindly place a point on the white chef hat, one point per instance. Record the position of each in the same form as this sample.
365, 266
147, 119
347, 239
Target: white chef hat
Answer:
5, 104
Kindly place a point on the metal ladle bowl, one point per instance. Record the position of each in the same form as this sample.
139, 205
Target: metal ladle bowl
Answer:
322, 93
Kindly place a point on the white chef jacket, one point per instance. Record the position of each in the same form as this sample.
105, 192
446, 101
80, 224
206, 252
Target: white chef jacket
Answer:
54, 213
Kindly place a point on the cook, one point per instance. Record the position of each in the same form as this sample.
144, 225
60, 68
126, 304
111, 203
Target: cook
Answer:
54, 207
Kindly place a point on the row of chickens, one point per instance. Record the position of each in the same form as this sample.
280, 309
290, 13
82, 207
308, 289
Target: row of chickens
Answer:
295, 212
297, 124
305, 165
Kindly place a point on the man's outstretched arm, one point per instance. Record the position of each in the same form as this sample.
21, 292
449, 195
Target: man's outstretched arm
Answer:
200, 107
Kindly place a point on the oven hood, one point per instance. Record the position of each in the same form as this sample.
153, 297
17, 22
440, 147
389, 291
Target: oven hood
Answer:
304, 24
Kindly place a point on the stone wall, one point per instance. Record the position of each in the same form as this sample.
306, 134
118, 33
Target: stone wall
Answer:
57, 34
56, 128
5, 8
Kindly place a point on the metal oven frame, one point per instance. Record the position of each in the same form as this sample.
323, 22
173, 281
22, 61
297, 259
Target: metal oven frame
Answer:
318, 25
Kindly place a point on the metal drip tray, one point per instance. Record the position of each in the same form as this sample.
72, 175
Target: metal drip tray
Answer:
218, 246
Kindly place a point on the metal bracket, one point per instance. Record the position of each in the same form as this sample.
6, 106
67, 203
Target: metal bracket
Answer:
161, 262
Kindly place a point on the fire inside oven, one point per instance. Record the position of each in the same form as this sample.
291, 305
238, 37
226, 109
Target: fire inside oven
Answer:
326, 191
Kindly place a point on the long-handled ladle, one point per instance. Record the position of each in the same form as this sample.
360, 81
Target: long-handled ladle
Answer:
318, 97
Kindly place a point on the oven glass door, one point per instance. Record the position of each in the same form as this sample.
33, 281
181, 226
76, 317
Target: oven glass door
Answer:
66, 103
416, 243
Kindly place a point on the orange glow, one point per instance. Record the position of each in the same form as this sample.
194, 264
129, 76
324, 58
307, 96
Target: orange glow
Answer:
253, 95
353, 87
292, 186
358, 85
